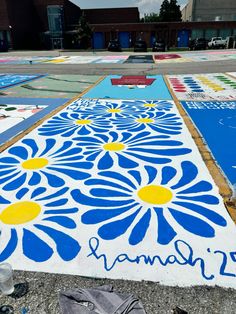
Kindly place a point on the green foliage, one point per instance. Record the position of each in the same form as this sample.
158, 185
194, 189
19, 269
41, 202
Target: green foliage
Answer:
83, 33
170, 11
150, 18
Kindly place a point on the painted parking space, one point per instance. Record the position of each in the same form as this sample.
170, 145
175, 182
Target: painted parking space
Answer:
8, 80
215, 86
115, 188
130, 87
19, 114
55, 86
140, 59
219, 134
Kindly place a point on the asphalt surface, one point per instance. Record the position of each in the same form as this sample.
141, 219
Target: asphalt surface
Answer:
42, 297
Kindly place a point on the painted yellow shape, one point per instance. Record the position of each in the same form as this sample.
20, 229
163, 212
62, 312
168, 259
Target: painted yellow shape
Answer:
145, 120
34, 163
83, 121
57, 61
149, 105
155, 194
20, 213
114, 147
113, 110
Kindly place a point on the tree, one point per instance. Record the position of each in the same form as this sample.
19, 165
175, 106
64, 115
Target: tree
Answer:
83, 33
150, 18
170, 11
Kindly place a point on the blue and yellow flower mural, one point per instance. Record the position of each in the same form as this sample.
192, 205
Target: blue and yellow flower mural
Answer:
126, 203
31, 161
67, 124
161, 122
128, 150
150, 105
38, 221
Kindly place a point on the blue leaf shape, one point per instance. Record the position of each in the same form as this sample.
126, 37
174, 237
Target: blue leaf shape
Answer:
136, 175
31, 143
155, 160
207, 199
54, 195
15, 184
202, 186
165, 232
65, 146
69, 152
116, 228
139, 231
189, 173
119, 177
193, 224
74, 174
67, 247
35, 179
168, 173
3, 200
102, 192
10, 247
38, 192
21, 193
61, 211
19, 151
34, 248
9, 160
105, 162
152, 173
86, 200
53, 180
58, 202
62, 221
90, 182
209, 214
50, 142
126, 163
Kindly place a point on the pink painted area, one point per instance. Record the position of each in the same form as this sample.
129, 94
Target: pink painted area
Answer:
167, 56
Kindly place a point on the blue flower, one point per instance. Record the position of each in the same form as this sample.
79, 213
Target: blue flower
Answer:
67, 124
128, 150
150, 105
171, 201
161, 122
39, 223
30, 163
106, 108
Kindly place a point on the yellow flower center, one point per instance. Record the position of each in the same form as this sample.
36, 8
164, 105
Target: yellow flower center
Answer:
35, 163
20, 213
145, 120
149, 105
114, 147
83, 121
113, 110
155, 194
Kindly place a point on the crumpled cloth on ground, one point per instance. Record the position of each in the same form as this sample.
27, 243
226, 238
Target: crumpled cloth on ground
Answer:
100, 300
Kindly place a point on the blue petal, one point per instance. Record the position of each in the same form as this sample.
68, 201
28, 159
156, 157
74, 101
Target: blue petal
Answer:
34, 248
116, 228
38, 191
74, 174
62, 221
31, 143
165, 232
61, 211
168, 173
6, 172
189, 171
21, 193
83, 131
117, 176
19, 151
140, 229
97, 215
86, 200
9, 177
65, 146
136, 175
101, 192
207, 199
53, 180
202, 186
67, 247
154, 160
193, 224
3, 200
35, 179
70, 152
93, 156
106, 183
50, 142
11, 246
152, 173
105, 162
209, 214
126, 163
54, 195
15, 184
9, 160
82, 165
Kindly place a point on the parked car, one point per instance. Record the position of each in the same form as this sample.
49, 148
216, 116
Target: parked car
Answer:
159, 45
198, 44
140, 46
114, 45
217, 42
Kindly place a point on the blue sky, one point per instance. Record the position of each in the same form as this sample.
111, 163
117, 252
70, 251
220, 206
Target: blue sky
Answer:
145, 6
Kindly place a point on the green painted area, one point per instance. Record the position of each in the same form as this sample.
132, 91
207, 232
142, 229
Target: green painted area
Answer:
58, 86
